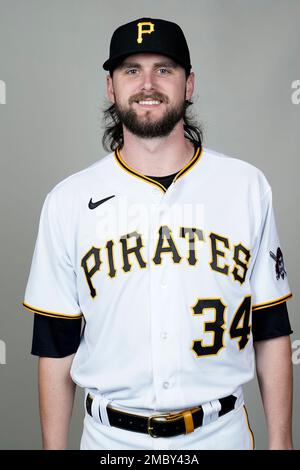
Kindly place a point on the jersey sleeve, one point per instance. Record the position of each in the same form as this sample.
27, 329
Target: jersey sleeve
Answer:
51, 286
268, 279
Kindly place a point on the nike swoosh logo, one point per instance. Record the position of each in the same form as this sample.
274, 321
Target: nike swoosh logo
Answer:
93, 205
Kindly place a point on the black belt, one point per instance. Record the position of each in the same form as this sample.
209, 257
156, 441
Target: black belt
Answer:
163, 425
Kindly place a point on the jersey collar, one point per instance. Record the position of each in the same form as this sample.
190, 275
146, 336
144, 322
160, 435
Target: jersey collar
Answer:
196, 157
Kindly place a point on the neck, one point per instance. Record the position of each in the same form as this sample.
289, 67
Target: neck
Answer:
157, 156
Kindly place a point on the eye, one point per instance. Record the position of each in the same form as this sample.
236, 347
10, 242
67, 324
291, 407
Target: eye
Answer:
131, 71
164, 70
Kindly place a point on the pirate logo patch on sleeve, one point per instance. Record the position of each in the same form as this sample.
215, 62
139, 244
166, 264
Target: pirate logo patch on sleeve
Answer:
279, 263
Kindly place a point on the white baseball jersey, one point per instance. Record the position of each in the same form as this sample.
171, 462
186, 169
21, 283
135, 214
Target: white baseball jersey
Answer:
166, 280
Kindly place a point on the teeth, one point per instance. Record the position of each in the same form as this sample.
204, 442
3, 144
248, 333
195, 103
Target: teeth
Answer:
149, 102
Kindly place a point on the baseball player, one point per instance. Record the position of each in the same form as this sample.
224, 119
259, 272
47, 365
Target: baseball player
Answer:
157, 281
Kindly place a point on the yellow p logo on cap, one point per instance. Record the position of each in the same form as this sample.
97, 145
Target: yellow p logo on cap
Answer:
142, 31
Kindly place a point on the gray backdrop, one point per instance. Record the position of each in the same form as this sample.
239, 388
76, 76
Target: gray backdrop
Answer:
246, 58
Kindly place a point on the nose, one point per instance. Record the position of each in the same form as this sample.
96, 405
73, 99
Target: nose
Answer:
147, 83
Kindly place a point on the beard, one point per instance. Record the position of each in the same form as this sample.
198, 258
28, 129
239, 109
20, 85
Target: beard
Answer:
145, 127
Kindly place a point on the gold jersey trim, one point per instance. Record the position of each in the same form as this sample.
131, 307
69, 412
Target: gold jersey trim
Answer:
249, 427
272, 303
49, 313
197, 155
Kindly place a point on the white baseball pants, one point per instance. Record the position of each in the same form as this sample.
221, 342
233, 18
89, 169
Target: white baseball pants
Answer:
230, 431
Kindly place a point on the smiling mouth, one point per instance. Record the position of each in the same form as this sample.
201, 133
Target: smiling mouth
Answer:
149, 103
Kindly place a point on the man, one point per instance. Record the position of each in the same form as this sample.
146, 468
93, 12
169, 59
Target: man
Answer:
166, 249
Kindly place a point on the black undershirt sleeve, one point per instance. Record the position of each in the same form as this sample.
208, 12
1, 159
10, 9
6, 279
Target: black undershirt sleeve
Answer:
271, 322
55, 337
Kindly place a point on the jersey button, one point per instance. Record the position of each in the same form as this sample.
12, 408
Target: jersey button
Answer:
164, 335
166, 384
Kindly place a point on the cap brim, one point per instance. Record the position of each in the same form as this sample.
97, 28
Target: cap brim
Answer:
111, 64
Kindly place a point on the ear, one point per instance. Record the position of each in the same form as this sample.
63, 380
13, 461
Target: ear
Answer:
190, 83
110, 89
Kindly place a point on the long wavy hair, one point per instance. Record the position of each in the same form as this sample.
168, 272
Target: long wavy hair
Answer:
113, 134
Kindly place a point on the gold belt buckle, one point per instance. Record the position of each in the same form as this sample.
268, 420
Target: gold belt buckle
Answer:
167, 417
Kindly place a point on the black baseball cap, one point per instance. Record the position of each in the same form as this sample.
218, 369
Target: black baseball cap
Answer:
148, 35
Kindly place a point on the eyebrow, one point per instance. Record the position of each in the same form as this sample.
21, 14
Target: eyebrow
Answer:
137, 65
